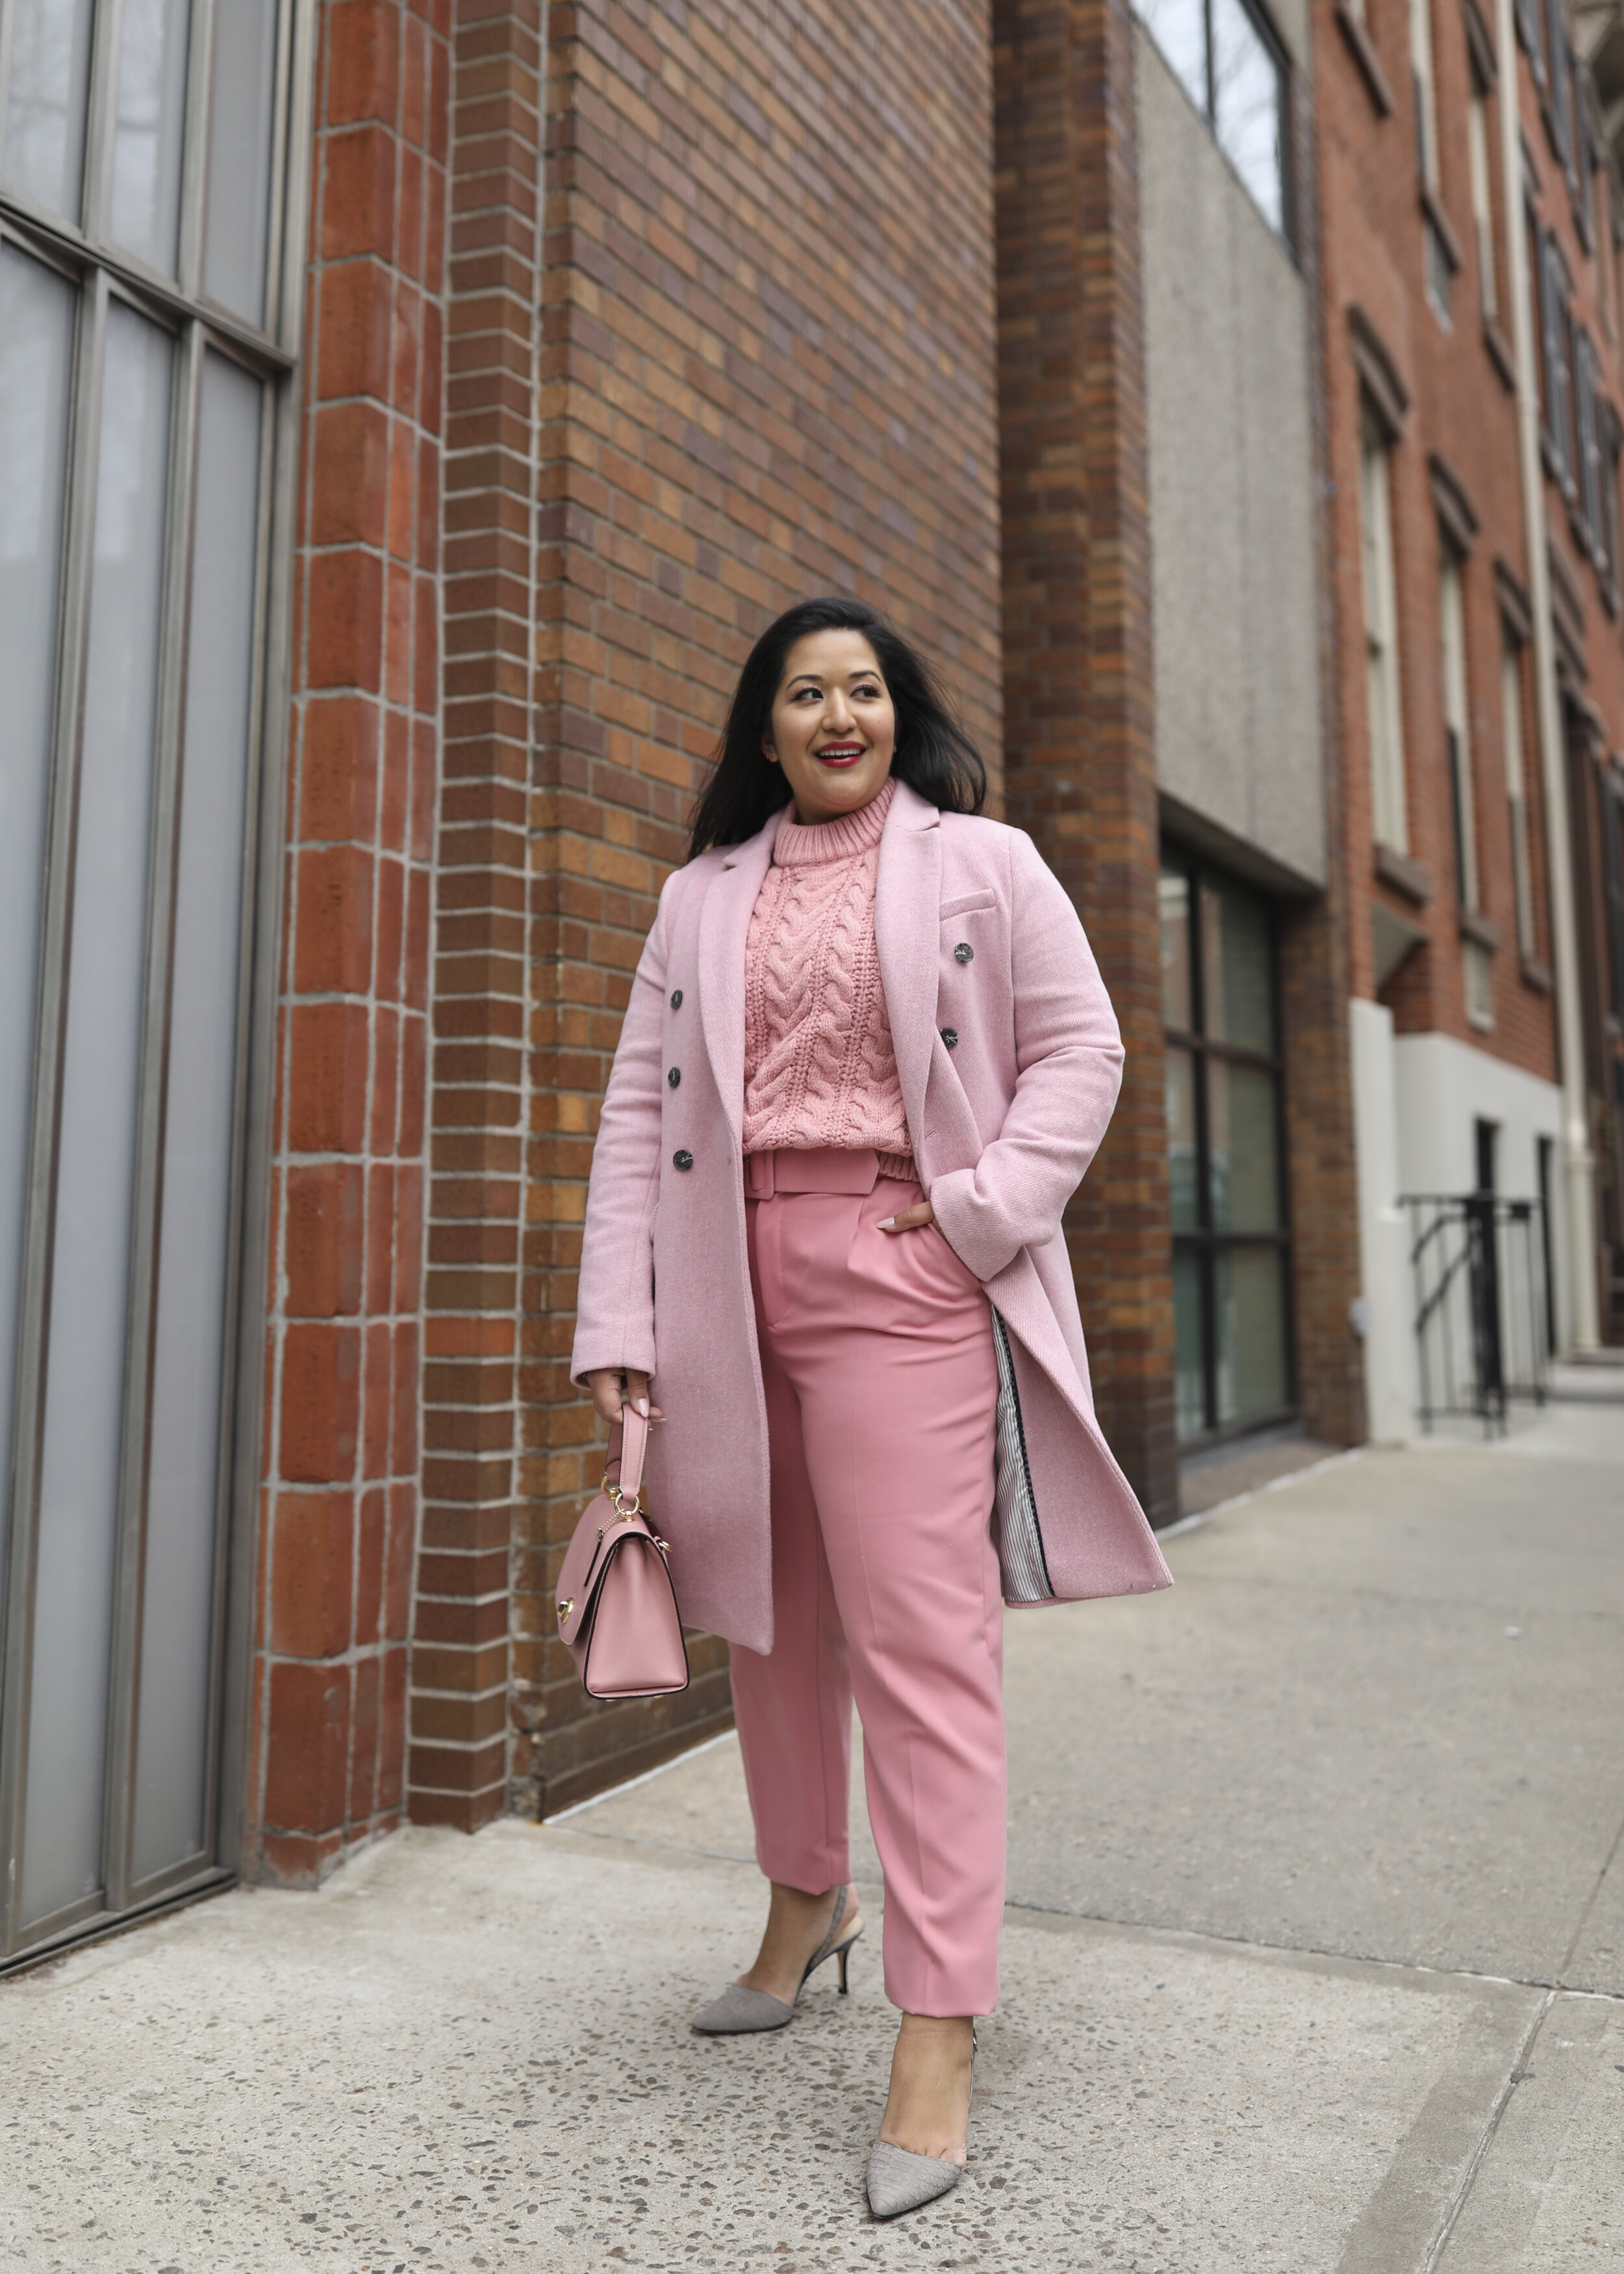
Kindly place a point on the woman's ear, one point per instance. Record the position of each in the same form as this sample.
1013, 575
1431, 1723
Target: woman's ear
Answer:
768, 752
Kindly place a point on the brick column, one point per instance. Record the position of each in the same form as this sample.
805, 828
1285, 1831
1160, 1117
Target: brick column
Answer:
727, 423
459, 1768
339, 1517
1079, 726
1316, 978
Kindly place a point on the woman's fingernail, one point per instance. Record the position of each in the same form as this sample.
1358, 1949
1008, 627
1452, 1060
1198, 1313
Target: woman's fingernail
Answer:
642, 1404
888, 1223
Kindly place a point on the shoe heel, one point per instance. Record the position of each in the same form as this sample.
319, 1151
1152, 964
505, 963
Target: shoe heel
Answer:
841, 1955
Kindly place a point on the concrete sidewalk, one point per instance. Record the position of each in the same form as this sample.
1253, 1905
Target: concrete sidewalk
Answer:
1313, 1959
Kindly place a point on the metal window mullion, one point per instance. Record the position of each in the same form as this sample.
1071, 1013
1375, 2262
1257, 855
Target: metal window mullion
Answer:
231, 1410
33, 1302
1207, 1252
290, 158
46, 238
101, 119
129, 1554
194, 147
194, 172
263, 884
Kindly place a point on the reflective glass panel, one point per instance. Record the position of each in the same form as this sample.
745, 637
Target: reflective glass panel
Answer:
1243, 1148
149, 134
194, 1236
78, 1492
1190, 1390
44, 153
1182, 1171
1250, 1305
1174, 889
1237, 973
36, 371
1177, 28
1247, 107
239, 155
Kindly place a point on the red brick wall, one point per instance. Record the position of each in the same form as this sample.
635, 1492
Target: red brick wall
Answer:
1077, 680
458, 1766
339, 1515
1321, 1170
1462, 408
767, 371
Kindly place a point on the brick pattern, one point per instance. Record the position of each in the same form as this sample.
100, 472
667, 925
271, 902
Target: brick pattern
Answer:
1322, 1167
1462, 408
458, 1765
339, 1516
1080, 754
1593, 707
765, 372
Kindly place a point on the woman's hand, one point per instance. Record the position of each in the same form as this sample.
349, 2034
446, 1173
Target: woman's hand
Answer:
910, 1219
614, 1386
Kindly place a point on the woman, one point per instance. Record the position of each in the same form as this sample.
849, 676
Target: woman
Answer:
867, 1059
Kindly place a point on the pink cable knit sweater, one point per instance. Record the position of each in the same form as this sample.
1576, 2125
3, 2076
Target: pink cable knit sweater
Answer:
819, 1068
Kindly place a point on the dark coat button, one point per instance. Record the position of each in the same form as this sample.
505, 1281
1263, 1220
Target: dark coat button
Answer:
676, 998
964, 953
684, 1160
949, 1036
675, 1077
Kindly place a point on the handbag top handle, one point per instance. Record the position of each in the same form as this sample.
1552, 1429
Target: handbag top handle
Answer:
628, 1441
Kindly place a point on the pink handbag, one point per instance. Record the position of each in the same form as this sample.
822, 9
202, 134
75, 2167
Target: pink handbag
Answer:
617, 1608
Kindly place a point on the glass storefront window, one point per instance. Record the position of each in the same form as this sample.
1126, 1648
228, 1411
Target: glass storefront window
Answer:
137, 453
1225, 1168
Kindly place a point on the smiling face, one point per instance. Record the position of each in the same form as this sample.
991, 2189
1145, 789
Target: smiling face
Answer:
834, 729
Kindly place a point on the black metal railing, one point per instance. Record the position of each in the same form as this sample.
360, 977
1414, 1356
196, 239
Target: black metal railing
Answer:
1483, 1303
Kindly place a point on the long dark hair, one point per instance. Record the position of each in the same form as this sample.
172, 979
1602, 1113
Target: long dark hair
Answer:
933, 755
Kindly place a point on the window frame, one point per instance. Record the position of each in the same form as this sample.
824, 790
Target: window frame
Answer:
1384, 726
78, 248
1278, 54
1204, 1239
1514, 752
1455, 674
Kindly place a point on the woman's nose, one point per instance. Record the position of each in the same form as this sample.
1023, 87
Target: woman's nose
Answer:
838, 712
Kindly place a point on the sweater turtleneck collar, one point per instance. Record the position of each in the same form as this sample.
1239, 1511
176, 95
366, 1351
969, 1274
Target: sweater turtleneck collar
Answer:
799, 845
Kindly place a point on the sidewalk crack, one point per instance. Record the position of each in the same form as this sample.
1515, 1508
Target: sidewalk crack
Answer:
1595, 1897
1502, 2101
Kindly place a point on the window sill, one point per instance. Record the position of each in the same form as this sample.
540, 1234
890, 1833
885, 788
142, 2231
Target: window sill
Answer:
1476, 926
1499, 353
1404, 874
1364, 55
1447, 237
1536, 974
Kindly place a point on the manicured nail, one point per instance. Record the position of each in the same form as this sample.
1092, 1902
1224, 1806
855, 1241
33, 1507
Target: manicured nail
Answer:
642, 1404
888, 1223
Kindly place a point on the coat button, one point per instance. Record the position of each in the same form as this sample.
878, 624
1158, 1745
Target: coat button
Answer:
684, 1160
675, 1077
949, 1036
676, 998
964, 953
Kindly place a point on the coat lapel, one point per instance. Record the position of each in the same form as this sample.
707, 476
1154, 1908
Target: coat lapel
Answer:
723, 929
907, 914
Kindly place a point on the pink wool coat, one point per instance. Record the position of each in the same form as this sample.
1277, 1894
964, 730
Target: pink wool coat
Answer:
1003, 1125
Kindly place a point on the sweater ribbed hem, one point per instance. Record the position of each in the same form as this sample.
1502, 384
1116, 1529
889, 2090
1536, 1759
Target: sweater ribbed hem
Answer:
802, 844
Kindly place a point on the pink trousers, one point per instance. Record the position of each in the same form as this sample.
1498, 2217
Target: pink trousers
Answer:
881, 1393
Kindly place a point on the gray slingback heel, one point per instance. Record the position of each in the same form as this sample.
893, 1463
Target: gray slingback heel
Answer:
739, 2011
899, 2181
